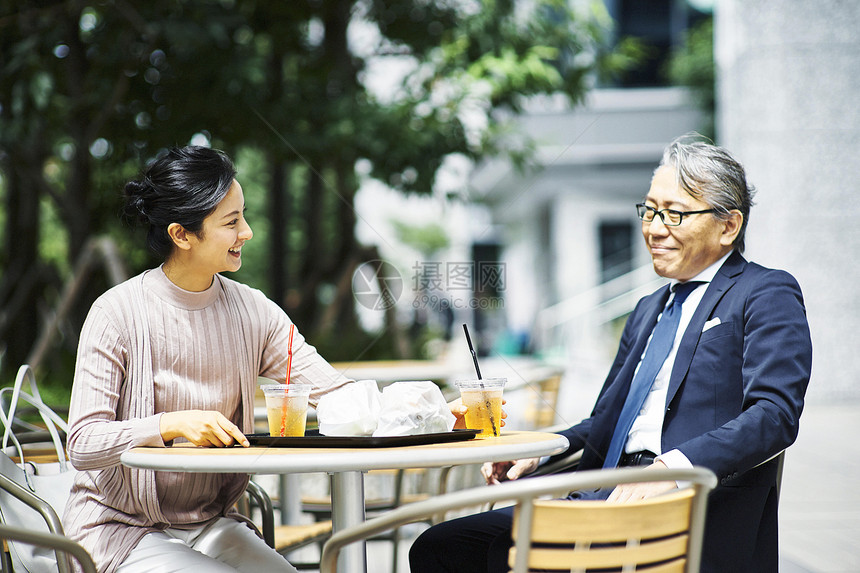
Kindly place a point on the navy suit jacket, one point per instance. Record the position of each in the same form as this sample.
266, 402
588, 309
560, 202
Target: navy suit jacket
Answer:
735, 396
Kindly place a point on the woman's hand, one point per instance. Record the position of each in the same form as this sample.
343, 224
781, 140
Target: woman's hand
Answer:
201, 428
459, 410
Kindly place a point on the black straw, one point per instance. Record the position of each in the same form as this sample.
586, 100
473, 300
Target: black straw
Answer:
472, 350
478, 370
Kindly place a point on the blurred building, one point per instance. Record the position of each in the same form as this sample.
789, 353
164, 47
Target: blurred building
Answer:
576, 263
568, 232
788, 73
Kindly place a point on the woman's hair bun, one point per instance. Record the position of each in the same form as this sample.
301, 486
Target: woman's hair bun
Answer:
135, 202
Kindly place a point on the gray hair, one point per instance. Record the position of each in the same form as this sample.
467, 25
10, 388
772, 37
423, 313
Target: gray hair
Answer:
710, 173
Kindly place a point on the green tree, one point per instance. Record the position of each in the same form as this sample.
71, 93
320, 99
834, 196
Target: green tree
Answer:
467, 63
692, 65
90, 90
82, 104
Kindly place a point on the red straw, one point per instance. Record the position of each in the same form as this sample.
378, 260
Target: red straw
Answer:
289, 368
290, 352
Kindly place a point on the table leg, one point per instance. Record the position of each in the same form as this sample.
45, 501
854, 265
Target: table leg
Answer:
289, 492
347, 509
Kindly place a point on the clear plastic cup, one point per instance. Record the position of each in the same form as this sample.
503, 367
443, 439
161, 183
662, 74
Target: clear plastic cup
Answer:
483, 398
287, 408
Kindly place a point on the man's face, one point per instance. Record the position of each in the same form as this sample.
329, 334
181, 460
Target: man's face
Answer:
683, 251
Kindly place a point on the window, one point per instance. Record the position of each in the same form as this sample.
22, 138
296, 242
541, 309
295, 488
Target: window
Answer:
659, 25
616, 249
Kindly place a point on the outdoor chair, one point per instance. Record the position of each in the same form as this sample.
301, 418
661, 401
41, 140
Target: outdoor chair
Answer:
58, 542
542, 403
283, 538
566, 464
29, 515
54, 537
396, 491
660, 534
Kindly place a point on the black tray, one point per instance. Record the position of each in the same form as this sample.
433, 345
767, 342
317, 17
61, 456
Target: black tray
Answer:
313, 439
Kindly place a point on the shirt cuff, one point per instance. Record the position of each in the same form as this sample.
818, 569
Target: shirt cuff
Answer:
674, 459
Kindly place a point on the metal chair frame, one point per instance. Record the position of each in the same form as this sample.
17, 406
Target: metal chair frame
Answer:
524, 492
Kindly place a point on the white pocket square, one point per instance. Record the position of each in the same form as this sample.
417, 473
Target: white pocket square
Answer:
711, 324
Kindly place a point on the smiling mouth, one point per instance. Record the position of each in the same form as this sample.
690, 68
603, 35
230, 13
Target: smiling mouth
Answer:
235, 252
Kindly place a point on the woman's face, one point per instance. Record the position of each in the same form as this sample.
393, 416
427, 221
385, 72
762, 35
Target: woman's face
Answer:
218, 247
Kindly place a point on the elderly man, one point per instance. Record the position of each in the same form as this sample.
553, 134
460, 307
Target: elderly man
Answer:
711, 371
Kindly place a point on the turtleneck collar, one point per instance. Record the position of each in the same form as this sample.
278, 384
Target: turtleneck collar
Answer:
157, 283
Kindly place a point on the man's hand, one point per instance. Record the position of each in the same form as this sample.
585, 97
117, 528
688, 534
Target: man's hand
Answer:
497, 472
459, 410
636, 491
201, 428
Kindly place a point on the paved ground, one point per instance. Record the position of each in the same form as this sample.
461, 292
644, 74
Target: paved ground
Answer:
820, 499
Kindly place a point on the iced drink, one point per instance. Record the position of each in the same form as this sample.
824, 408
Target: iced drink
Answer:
287, 408
483, 398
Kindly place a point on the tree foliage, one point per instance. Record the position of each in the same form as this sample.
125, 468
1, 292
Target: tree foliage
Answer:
692, 65
92, 89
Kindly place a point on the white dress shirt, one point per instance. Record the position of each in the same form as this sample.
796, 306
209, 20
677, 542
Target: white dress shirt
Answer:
647, 430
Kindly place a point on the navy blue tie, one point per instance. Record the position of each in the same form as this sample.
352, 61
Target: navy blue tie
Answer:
658, 350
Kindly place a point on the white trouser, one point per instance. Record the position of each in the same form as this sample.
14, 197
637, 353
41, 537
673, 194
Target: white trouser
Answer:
223, 546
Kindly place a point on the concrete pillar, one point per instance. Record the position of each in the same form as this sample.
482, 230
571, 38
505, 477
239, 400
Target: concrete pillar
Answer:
788, 88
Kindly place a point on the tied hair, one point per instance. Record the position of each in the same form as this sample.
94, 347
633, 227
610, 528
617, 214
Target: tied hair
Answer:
135, 210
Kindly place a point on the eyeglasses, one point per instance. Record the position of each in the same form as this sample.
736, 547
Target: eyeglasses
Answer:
670, 217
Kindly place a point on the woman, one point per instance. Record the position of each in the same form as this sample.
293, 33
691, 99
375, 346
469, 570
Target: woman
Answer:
175, 353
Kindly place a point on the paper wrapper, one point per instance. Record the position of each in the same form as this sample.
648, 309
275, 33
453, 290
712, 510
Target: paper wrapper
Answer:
410, 408
352, 410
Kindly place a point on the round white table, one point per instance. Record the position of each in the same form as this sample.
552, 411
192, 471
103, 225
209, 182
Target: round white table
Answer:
346, 466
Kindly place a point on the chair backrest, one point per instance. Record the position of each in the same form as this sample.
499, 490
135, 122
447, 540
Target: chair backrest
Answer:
54, 541
687, 507
34, 487
566, 535
542, 404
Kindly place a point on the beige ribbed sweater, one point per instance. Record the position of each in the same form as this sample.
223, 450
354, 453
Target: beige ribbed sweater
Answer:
149, 347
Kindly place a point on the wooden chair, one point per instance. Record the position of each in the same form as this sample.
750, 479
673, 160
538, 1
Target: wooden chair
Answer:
660, 535
542, 402
398, 494
651, 535
289, 538
283, 538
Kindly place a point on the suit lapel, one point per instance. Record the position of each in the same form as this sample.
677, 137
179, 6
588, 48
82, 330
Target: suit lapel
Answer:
723, 281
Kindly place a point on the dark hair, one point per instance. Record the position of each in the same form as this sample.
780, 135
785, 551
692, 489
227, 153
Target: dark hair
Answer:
183, 186
710, 173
